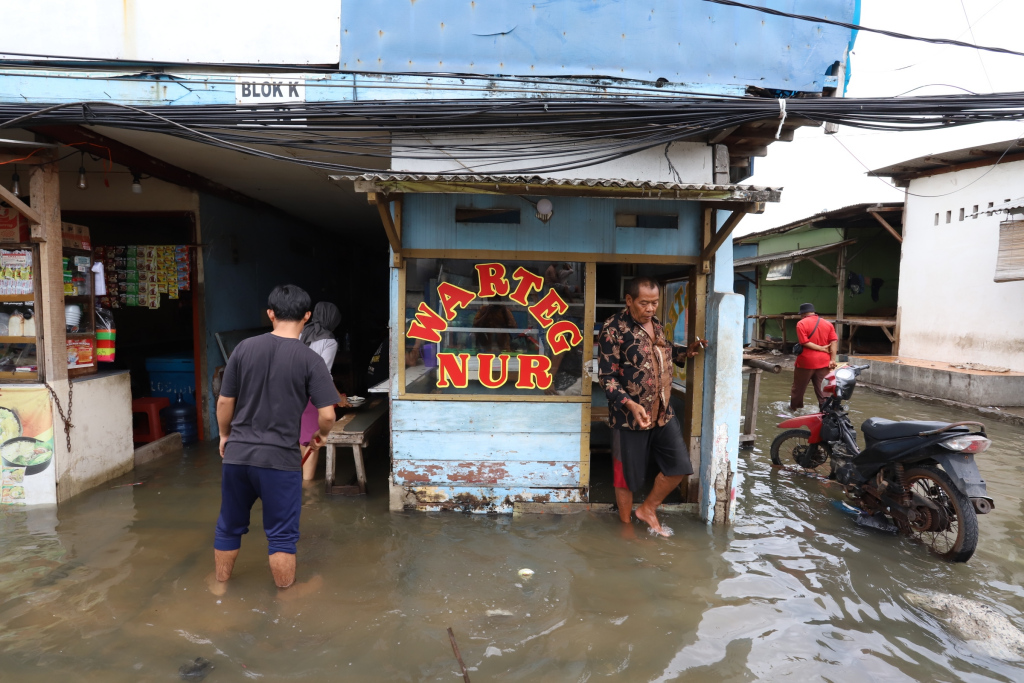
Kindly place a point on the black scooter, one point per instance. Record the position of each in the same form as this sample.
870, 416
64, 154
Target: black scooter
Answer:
920, 475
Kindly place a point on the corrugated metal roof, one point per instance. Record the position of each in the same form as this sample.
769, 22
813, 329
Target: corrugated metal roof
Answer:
795, 254
940, 160
851, 211
519, 184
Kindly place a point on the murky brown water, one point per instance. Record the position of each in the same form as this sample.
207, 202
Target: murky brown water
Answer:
112, 589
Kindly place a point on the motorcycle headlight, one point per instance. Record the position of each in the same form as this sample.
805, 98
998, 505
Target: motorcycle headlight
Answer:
845, 374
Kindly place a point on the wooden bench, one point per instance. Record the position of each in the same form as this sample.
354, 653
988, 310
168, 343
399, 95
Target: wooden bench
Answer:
354, 430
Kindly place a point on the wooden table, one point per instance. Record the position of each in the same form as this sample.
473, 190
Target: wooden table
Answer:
354, 430
888, 326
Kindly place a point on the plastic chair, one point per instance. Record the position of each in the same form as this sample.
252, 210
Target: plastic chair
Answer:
150, 407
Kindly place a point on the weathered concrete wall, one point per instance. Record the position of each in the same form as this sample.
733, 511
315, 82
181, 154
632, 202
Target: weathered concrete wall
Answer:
965, 387
101, 440
723, 389
951, 309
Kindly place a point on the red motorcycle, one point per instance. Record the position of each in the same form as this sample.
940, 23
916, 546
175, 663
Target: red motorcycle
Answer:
918, 478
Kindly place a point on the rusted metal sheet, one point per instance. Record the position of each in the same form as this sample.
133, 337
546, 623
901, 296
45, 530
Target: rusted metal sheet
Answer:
487, 473
483, 499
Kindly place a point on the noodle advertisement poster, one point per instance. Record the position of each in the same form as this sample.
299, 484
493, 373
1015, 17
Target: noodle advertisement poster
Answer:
26, 447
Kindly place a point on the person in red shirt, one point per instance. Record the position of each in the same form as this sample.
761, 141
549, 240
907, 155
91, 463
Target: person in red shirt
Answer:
818, 338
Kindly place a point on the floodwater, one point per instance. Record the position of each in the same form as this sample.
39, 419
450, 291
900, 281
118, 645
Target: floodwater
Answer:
113, 587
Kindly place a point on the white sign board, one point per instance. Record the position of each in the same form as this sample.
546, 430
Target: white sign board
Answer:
257, 89
187, 31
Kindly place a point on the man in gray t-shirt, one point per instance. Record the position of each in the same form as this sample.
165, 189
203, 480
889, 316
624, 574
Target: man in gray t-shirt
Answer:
267, 383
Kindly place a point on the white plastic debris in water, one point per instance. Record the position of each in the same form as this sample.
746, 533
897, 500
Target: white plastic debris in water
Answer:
525, 573
499, 613
492, 651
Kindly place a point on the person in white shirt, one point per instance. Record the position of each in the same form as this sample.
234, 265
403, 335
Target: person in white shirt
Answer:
319, 336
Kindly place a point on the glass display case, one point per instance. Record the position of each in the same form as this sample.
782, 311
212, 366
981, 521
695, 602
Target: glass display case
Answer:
19, 333
79, 311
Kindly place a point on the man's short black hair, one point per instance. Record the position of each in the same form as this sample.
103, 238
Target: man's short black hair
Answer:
633, 286
289, 302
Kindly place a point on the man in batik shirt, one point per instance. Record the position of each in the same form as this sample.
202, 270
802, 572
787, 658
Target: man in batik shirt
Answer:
635, 370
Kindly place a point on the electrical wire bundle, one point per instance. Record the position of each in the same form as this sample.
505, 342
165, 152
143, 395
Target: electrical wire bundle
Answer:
539, 135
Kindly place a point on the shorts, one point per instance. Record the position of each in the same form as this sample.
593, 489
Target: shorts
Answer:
632, 451
281, 493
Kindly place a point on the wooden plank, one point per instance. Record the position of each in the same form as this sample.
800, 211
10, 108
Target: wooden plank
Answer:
44, 188
577, 508
820, 265
841, 296
508, 473
523, 255
697, 294
718, 239
400, 323
491, 446
885, 224
429, 416
485, 498
384, 209
15, 298
589, 314
21, 207
501, 398
750, 412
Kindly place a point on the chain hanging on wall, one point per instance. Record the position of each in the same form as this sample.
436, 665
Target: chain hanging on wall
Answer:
60, 411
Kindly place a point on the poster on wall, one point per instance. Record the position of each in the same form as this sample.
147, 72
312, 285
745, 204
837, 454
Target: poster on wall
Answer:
27, 471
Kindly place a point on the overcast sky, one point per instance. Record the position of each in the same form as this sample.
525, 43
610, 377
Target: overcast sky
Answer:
817, 173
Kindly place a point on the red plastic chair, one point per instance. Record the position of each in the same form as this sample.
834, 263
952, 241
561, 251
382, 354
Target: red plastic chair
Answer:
150, 407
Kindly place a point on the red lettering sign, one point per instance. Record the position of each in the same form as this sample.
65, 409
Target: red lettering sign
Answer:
486, 373
492, 279
534, 372
547, 307
563, 335
527, 282
427, 325
453, 369
452, 298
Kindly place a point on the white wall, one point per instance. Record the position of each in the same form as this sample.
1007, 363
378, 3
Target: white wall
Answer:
101, 439
225, 31
951, 310
691, 162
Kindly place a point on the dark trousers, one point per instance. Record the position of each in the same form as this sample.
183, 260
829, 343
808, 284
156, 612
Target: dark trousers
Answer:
801, 376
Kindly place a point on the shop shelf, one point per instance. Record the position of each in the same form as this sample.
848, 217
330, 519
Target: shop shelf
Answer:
17, 340
17, 298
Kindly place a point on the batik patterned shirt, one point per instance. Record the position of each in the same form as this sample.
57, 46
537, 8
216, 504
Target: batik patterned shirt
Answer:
633, 366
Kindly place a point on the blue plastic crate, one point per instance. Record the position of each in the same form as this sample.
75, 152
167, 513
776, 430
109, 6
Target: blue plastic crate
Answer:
172, 375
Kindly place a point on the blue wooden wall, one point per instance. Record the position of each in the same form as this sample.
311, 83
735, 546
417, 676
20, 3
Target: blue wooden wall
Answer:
578, 225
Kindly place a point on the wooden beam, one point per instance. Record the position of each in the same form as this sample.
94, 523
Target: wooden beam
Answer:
21, 207
44, 189
693, 406
721, 135
718, 239
885, 224
841, 297
384, 209
820, 265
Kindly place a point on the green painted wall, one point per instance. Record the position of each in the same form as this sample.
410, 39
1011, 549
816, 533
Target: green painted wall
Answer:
801, 238
875, 255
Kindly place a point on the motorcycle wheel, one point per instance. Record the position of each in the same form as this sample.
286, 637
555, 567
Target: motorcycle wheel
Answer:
952, 531
791, 447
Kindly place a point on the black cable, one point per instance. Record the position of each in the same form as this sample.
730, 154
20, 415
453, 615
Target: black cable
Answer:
538, 135
856, 27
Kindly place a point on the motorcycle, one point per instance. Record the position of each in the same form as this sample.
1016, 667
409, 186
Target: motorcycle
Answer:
919, 477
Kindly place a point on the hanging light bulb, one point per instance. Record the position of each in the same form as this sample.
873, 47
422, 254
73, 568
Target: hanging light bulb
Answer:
16, 182
136, 183
82, 182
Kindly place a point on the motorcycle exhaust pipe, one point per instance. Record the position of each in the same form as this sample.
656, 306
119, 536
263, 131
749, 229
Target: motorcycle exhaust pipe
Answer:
982, 506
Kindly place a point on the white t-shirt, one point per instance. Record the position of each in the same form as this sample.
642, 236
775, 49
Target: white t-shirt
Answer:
326, 349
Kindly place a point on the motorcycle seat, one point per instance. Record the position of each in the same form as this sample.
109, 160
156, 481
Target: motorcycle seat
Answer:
880, 429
